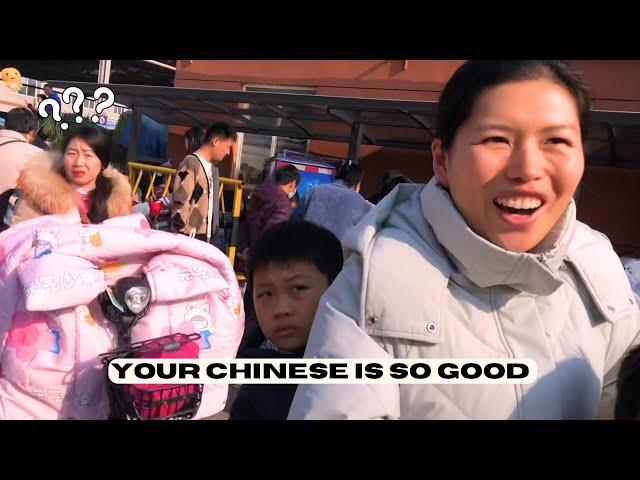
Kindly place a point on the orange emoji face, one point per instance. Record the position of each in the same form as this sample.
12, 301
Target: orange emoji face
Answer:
11, 78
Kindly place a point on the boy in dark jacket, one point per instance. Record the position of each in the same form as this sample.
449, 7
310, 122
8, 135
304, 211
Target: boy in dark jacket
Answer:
290, 267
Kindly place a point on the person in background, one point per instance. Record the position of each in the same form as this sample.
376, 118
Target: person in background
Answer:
336, 206
16, 145
291, 266
80, 180
268, 205
50, 93
34, 107
194, 200
487, 260
269, 202
193, 139
157, 205
390, 180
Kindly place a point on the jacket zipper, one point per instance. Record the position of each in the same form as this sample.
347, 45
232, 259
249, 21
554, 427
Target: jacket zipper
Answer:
503, 339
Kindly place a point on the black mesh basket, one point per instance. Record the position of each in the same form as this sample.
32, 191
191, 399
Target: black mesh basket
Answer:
149, 401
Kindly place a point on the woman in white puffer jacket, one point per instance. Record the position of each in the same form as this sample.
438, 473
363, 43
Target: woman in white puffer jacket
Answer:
485, 261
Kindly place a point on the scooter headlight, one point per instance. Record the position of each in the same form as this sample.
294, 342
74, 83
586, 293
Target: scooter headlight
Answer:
137, 298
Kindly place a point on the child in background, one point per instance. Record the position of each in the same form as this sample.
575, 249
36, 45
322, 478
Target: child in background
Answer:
290, 267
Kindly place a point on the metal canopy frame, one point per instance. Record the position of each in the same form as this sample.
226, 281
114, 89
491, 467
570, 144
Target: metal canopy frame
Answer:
408, 124
303, 116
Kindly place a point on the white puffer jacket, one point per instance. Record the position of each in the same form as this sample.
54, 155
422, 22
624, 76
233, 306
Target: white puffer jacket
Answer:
419, 283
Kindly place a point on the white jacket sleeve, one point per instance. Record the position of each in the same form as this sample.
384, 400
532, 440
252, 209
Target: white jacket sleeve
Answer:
336, 333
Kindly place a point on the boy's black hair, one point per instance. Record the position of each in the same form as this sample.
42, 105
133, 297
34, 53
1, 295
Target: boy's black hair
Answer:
297, 241
628, 395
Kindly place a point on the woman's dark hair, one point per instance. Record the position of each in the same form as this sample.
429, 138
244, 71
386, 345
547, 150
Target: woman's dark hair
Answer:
98, 197
297, 241
21, 120
194, 137
350, 173
476, 76
389, 181
393, 183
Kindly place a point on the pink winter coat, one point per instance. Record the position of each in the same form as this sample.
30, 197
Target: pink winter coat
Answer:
52, 330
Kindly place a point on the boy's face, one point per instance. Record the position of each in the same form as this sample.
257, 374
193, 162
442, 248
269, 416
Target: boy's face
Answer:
286, 298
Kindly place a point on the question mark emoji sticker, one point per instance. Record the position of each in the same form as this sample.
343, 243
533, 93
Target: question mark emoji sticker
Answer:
77, 103
103, 105
55, 111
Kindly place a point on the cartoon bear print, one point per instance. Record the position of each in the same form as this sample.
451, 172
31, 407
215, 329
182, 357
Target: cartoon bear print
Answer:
83, 312
90, 235
198, 315
45, 240
230, 302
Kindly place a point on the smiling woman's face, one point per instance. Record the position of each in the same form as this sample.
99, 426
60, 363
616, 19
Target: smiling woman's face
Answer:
515, 162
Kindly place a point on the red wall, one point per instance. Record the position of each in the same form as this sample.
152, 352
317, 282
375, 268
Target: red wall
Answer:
418, 76
609, 202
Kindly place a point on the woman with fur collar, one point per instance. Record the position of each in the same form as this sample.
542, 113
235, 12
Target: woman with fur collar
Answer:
80, 179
